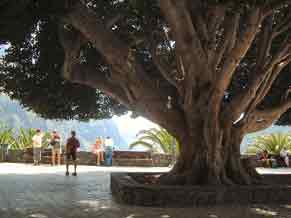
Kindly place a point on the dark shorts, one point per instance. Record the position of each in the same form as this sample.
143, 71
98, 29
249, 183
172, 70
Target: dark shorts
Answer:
72, 155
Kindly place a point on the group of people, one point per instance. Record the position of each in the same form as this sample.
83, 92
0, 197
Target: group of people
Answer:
270, 161
71, 146
102, 148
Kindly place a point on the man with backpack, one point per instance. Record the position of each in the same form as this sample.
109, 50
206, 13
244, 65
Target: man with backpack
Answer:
71, 152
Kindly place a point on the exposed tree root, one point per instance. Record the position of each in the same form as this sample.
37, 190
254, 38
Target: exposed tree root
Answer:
238, 172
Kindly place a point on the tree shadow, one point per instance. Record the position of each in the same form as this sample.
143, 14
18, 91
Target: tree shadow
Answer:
88, 195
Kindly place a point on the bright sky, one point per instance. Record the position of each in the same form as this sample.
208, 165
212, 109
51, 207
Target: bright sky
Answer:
2, 48
129, 127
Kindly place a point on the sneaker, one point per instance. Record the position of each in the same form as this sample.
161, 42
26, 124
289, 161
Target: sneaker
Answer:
67, 174
74, 174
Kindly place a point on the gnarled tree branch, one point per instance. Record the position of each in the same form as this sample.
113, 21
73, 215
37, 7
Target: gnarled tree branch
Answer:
189, 46
253, 21
230, 27
261, 119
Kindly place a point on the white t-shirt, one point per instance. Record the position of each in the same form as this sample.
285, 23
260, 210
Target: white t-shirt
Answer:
109, 143
283, 153
37, 140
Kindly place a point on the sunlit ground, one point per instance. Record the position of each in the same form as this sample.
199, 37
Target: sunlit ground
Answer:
29, 169
274, 171
44, 192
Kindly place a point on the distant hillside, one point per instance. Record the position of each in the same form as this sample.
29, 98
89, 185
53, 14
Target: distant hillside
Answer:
123, 129
15, 117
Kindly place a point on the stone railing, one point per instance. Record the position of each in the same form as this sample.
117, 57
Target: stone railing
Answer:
139, 158
120, 158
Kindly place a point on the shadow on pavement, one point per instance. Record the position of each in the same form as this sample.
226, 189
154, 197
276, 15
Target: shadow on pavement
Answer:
88, 195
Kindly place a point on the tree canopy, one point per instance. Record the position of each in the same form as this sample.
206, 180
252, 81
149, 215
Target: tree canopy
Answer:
32, 64
31, 28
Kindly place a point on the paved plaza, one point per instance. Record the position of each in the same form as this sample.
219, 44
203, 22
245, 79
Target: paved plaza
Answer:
27, 191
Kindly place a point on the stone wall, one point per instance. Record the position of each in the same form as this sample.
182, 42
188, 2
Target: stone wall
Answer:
128, 191
15, 156
87, 158
141, 158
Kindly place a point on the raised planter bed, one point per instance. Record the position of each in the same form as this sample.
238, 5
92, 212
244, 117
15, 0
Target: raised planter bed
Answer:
127, 190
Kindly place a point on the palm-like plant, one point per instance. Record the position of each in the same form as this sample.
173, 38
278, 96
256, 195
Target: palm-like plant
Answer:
24, 139
156, 140
7, 137
46, 140
273, 143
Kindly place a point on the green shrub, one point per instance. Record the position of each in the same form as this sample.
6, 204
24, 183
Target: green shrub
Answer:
157, 140
273, 143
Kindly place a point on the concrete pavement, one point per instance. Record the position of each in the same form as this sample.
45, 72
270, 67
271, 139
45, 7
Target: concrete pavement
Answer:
28, 191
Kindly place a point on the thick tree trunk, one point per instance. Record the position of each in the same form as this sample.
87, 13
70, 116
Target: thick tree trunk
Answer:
218, 163
197, 85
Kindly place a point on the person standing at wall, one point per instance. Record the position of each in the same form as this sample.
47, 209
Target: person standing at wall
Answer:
56, 148
109, 145
37, 144
71, 152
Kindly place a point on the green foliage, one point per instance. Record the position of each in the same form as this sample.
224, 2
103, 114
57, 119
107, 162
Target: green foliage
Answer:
32, 65
157, 140
273, 143
35, 80
46, 139
24, 138
7, 137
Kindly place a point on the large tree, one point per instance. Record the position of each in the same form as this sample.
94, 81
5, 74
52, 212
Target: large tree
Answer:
209, 71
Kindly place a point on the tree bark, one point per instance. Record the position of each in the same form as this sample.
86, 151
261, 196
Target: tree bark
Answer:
202, 116
218, 163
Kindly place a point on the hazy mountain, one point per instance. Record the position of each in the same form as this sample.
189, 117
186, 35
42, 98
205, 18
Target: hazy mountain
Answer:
122, 129
15, 116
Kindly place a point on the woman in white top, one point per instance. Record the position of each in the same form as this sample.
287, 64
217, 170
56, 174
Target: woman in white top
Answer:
37, 144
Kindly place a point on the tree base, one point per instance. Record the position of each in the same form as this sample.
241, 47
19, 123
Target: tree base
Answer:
128, 190
236, 172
